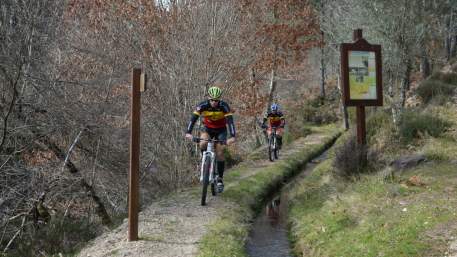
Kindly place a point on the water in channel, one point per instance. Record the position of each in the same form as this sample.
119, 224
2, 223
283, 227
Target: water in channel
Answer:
268, 237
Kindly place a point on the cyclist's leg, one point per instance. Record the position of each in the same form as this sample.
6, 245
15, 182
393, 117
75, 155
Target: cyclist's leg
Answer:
221, 135
220, 163
279, 133
269, 131
204, 134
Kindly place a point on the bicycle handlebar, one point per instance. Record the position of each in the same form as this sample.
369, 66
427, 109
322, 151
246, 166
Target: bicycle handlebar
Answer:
274, 127
198, 139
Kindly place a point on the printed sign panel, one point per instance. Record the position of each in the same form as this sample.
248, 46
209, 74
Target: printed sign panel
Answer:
362, 75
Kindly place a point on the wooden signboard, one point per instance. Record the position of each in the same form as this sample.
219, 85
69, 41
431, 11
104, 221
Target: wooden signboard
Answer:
361, 72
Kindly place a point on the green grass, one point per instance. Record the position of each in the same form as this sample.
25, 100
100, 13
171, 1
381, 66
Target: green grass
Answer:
330, 217
379, 215
226, 236
441, 149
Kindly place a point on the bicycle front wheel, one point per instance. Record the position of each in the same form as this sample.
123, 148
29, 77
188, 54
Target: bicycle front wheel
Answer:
276, 148
271, 148
206, 167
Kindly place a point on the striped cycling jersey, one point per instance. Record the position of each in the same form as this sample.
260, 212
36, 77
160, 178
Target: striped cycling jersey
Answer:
213, 117
275, 119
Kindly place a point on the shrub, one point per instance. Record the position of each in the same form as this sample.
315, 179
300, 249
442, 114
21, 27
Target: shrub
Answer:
414, 124
449, 78
377, 121
231, 159
295, 131
350, 158
60, 235
440, 149
319, 111
431, 88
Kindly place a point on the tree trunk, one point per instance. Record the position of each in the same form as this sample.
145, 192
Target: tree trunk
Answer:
345, 117
405, 83
272, 89
453, 52
322, 66
448, 36
344, 109
425, 64
255, 122
14, 97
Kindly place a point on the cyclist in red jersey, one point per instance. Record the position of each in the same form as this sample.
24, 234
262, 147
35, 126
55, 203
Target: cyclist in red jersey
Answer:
216, 116
276, 119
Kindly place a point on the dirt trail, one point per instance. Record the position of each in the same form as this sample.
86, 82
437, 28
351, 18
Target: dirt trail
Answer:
169, 228
174, 226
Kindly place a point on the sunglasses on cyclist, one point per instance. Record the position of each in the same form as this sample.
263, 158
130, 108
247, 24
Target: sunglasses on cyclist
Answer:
214, 100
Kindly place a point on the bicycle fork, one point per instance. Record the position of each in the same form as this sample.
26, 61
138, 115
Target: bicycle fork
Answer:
212, 157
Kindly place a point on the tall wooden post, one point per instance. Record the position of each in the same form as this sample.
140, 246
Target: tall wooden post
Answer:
134, 155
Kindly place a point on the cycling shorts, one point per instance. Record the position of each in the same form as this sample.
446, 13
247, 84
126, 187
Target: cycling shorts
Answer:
218, 133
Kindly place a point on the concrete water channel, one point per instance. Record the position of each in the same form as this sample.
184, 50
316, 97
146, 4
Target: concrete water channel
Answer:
268, 236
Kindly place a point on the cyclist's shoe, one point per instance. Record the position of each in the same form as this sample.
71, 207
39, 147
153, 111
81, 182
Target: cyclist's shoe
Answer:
220, 185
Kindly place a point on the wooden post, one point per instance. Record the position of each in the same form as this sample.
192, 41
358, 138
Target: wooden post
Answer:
357, 34
134, 155
361, 129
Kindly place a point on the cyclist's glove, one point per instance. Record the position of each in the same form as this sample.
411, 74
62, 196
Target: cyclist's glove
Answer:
264, 126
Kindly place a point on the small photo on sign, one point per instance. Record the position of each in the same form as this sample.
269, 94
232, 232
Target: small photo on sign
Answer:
362, 75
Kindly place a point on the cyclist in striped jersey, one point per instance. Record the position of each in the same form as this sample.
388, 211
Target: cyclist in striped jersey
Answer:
216, 117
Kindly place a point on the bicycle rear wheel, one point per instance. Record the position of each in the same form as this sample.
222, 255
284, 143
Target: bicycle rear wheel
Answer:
205, 182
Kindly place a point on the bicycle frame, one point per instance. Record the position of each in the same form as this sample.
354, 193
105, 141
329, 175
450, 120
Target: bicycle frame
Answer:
209, 152
208, 168
272, 145
272, 135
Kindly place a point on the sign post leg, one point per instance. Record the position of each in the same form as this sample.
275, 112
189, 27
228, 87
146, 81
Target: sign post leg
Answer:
361, 129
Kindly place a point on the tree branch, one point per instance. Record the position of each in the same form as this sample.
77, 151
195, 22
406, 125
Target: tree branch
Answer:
11, 105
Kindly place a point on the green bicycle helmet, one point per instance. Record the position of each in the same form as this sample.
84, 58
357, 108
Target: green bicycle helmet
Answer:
214, 92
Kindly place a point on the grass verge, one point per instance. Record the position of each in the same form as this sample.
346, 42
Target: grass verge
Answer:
372, 216
226, 236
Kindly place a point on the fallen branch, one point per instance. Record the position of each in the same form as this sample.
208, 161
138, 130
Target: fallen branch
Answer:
15, 235
70, 150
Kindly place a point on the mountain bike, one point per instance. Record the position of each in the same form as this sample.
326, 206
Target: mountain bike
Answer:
208, 174
273, 148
